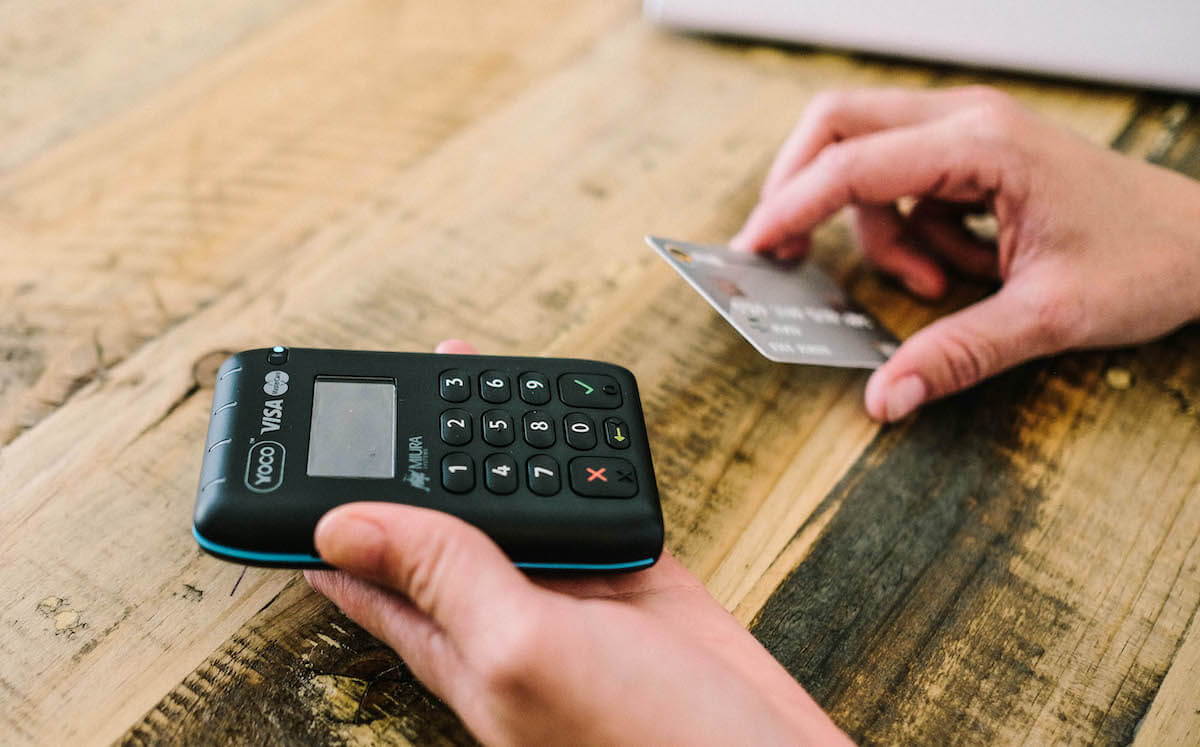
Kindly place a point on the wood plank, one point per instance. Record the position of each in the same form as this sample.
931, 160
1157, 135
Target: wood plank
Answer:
154, 215
1174, 716
57, 79
1032, 584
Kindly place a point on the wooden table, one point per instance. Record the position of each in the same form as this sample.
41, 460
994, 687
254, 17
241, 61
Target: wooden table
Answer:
1017, 564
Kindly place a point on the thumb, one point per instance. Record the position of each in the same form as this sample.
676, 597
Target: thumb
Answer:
957, 352
448, 569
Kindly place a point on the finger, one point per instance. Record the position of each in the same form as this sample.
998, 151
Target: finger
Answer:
958, 351
881, 233
392, 619
940, 225
449, 570
946, 159
459, 347
666, 574
839, 115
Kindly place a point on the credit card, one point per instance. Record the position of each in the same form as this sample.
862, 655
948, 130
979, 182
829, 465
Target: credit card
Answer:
790, 312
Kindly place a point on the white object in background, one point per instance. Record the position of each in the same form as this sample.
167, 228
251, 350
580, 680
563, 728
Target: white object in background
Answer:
1154, 44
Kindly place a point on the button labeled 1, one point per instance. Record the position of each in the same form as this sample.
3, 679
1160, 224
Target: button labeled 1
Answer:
458, 473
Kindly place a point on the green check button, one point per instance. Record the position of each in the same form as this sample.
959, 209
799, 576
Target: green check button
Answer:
589, 390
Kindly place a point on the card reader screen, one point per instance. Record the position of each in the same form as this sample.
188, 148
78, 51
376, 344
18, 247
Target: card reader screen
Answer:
353, 428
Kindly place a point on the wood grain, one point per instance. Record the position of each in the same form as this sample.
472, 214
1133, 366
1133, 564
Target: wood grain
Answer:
376, 175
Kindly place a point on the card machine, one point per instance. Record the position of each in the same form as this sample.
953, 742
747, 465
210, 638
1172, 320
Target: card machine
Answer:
548, 456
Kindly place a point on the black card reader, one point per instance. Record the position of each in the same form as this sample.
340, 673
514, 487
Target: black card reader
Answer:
548, 456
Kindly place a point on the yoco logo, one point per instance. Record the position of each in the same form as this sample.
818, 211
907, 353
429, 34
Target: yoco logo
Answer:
264, 466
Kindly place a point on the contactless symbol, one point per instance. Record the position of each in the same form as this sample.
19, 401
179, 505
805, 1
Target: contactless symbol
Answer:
276, 383
596, 474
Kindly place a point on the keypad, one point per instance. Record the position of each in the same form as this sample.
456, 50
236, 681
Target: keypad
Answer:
519, 436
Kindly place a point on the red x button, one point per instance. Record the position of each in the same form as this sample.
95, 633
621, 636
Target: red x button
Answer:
596, 474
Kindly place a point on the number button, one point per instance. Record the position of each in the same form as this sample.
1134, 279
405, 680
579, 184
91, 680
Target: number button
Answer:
543, 475
494, 387
456, 427
589, 390
580, 431
454, 385
603, 477
539, 429
458, 473
616, 433
535, 388
497, 428
500, 474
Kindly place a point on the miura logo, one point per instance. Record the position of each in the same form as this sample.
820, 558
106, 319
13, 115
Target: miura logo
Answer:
418, 463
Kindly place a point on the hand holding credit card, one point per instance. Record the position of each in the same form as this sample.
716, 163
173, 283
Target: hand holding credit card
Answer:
790, 312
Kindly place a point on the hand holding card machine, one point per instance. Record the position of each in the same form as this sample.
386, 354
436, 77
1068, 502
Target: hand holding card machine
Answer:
547, 456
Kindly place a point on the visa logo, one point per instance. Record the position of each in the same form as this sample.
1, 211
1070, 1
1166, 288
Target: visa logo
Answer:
272, 416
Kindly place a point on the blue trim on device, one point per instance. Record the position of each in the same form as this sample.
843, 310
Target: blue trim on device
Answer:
279, 557
586, 566
262, 557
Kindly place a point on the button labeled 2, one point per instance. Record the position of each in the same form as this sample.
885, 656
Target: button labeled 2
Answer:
456, 427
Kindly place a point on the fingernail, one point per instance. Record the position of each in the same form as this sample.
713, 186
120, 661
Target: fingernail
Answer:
348, 541
738, 243
923, 285
905, 396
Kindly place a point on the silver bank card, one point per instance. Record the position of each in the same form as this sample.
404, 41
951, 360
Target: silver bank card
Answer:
790, 312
